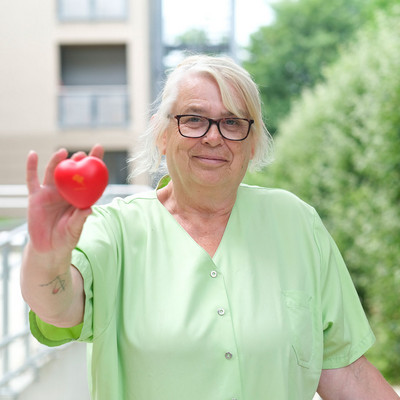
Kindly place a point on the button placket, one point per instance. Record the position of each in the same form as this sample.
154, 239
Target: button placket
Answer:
226, 329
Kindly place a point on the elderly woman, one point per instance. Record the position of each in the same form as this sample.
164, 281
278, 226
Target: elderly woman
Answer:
206, 288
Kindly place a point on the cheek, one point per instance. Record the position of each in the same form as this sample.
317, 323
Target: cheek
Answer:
247, 152
176, 148
167, 142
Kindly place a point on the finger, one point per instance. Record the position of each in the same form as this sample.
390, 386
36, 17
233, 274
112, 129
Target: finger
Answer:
79, 155
77, 221
32, 181
97, 151
56, 158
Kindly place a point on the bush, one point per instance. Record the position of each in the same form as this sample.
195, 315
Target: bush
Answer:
339, 150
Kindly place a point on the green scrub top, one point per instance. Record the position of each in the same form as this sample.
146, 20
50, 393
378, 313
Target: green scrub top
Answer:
259, 320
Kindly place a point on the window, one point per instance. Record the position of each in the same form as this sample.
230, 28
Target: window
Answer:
117, 165
93, 90
92, 10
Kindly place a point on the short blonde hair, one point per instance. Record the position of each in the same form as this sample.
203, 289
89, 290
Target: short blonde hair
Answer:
233, 81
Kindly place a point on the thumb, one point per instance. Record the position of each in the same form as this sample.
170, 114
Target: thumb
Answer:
77, 222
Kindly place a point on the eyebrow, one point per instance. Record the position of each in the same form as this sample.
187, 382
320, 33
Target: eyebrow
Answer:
201, 111
194, 110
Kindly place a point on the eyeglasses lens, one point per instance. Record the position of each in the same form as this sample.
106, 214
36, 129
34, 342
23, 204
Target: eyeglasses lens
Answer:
197, 126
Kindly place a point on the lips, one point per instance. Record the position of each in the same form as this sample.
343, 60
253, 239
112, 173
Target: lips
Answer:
210, 158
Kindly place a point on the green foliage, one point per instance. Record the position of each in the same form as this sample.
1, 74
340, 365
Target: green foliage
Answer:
193, 37
339, 149
7, 223
372, 6
289, 55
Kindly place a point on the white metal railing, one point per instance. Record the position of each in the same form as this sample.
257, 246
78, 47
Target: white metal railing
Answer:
21, 356
93, 106
13, 197
87, 10
16, 196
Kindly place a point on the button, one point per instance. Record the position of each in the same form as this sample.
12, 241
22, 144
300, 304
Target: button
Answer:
228, 356
214, 274
221, 311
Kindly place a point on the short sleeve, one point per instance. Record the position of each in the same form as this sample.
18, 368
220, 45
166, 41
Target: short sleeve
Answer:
347, 334
50, 335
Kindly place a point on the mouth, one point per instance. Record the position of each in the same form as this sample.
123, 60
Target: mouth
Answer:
211, 159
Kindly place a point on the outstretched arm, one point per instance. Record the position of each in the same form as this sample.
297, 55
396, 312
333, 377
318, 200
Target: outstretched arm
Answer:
51, 286
358, 381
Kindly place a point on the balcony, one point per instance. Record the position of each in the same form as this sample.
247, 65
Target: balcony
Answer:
93, 107
94, 90
92, 10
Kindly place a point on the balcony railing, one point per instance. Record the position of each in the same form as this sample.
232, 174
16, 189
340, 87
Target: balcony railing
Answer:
89, 10
21, 356
93, 107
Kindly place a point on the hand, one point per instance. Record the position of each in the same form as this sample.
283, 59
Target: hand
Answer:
54, 225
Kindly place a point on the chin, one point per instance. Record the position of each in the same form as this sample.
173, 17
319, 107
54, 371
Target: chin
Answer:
213, 179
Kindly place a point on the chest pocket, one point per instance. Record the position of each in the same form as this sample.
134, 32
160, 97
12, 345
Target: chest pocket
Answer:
299, 310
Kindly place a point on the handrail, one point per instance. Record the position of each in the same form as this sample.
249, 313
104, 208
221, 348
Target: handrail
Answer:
15, 197
20, 355
91, 10
93, 107
16, 347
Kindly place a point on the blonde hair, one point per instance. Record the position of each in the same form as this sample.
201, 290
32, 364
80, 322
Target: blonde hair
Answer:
233, 81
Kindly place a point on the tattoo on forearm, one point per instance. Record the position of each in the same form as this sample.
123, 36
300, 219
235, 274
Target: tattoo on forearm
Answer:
58, 284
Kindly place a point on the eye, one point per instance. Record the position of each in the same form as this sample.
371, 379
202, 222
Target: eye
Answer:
231, 122
191, 119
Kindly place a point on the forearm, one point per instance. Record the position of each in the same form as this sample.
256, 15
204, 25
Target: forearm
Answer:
358, 381
52, 287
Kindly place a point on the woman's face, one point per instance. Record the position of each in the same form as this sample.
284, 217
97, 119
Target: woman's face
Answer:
210, 160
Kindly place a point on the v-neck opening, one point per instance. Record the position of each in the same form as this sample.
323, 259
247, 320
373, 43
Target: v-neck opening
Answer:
226, 231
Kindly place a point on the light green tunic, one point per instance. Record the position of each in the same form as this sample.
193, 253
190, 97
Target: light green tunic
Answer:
257, 321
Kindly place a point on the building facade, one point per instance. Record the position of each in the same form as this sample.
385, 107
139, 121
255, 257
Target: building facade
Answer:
74, 73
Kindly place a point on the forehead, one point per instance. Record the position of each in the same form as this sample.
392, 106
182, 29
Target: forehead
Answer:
198, 86
201, 93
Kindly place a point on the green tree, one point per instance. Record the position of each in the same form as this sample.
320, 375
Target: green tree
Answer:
339, 149
289, 55
374, 6
193, 37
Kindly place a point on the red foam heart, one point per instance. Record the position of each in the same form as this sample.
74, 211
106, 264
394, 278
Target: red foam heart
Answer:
82, 182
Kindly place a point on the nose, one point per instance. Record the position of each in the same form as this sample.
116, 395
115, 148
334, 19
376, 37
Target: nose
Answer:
213, 136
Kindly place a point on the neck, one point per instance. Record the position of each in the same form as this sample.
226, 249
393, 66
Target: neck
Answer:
200, 201
202, 212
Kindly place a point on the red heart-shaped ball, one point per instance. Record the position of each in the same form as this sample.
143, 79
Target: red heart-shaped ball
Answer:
82, 182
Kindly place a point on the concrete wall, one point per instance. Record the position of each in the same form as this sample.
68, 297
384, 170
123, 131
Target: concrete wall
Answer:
31, 35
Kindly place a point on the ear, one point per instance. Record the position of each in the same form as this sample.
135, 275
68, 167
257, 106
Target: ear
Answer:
162, 143
161, 137
253, 148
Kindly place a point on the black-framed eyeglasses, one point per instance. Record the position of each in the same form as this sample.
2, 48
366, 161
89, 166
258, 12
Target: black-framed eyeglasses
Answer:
196, 126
